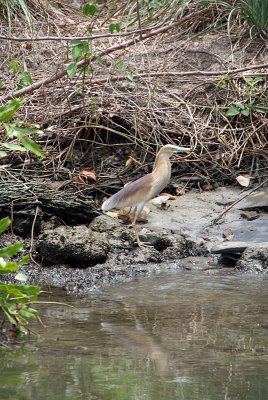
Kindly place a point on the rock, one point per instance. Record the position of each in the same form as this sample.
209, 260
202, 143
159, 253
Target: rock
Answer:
249, 215
254, 259
25, 222
102, 223
199, 263
183, 247
75, 246
235, 247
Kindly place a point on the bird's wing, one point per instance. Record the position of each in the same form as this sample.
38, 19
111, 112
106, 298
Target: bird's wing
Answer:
135, 192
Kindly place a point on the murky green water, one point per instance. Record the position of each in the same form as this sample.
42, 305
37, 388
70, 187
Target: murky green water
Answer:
187, 336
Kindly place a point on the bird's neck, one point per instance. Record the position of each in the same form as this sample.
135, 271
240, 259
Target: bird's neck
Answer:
162, 166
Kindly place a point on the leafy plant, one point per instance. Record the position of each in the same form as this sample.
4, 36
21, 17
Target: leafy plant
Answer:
254, 12
18, 129
254, 102
10, 8
16, 299
90, 9
23, 76
79, 49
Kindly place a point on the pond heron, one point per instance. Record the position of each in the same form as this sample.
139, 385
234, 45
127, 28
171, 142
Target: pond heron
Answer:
136, 194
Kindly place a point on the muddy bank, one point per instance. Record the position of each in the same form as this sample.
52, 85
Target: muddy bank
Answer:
183, 234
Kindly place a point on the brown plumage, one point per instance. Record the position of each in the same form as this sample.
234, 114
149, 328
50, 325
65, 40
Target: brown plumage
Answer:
137, 193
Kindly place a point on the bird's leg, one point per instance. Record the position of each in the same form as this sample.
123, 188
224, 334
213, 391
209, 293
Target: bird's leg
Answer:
137, 212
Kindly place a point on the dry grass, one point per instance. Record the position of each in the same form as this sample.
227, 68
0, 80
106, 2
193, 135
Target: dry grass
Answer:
99, 120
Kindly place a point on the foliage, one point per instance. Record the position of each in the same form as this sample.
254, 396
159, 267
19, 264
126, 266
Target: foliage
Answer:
254, 12
18, 129
16, 299
10, 8
251, 100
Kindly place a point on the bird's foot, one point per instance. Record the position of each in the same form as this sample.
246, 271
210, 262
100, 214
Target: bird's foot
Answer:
143, 244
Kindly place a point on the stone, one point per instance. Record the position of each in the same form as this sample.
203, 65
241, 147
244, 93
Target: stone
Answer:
254, 259
75, 246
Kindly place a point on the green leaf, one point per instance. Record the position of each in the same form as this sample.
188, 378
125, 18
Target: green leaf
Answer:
24, 79
2, 154
9, 267
245, 112
71, 70
99, 59
114, 28
120, 65
77, 53
24, 291
260, 109
2, 85
239, 105
21, 277
231, 112
14, 66
14, 129
13, 146
4, 224
28, 313
32, 146
90, 9
10, 251
8, 110
24, 260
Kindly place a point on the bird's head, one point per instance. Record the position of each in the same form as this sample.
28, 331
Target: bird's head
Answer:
170, 149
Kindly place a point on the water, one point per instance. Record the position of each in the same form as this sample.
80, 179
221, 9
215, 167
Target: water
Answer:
185, 336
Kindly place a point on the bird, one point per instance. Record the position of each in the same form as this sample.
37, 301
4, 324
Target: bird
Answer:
137, 193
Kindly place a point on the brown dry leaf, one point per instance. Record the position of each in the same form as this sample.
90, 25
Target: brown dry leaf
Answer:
88, 173
129, 161
243, 180
228, 234
112, 214
249, 215
180, 190
78, 179
207, 187
217, 156
126, 213
170, 196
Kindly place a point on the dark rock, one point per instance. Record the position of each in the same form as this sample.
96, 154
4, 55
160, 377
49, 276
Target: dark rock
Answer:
199, 263
249, 215
26, 222
183, 247
76, 246
254, 259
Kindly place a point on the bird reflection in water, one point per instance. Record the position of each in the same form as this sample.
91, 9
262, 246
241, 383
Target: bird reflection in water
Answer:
136, 339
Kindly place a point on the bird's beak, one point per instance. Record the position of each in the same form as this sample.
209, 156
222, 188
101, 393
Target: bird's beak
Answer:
178, 149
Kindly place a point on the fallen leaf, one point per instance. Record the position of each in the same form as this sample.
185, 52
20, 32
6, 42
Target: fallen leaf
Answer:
228, 234
249, 215
180, 190
127, 214
88, 173
112, 214
170, 196
129, 161
207, 187
243, 180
